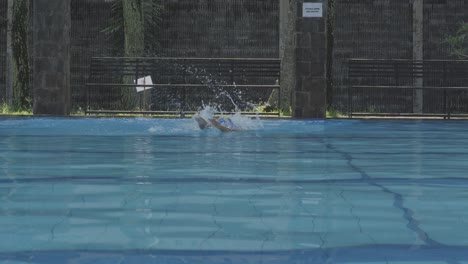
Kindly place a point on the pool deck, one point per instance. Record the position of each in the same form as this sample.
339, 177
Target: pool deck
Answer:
361, 117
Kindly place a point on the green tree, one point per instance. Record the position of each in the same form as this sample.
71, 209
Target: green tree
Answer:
19, 42
459, 42
134, 29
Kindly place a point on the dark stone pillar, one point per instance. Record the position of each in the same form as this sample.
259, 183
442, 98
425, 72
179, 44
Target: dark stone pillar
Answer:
51, 57
309, 96
418, 52
287, 53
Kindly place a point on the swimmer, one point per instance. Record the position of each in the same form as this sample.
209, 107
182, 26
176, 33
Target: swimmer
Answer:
225, 124
202, 123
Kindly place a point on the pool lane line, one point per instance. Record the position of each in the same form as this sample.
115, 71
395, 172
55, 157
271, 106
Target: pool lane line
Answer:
457, 181
165, 153
398, 202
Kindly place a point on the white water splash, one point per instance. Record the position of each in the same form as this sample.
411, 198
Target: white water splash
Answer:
246, 123
240, 121
207, 112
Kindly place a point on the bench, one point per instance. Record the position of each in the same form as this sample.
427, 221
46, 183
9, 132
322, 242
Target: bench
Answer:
181, 85
400, 82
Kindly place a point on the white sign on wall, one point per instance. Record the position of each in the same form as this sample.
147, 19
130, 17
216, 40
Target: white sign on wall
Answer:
312, 10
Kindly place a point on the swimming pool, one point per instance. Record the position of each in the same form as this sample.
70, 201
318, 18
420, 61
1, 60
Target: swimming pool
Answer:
142, 190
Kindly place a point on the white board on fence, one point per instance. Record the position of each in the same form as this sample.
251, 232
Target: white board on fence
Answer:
143, 81
312, 10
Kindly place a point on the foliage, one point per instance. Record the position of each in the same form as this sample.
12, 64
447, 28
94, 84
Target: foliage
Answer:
333, 113
145, 13
134, 30
6, 109
285, 111
459, 42
21, 95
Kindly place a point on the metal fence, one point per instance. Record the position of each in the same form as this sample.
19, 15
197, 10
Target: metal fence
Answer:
180, 85
373, 29
89, 18
399, 87
217, 28
379, 29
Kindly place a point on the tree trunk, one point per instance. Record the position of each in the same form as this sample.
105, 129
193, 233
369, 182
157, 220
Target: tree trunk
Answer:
287, 49
19, 43
134, 43
9, 56
133, 27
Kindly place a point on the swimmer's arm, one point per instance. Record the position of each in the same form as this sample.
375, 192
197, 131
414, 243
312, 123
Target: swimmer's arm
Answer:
216, 124
202, 122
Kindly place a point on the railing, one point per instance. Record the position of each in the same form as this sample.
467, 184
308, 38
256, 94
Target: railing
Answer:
182, 83
434, 79
447, 105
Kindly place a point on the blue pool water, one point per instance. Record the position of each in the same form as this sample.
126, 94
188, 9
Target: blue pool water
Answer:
121, 190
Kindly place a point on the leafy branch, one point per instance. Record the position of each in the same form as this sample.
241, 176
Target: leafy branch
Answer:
130, 17
459, 42
134, 28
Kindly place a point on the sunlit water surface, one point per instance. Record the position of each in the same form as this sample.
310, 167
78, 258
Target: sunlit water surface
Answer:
118, 190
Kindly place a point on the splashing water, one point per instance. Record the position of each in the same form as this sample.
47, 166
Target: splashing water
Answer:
207, 112
246, 123
240, 121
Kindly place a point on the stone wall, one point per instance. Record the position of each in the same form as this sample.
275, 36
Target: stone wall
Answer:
309, 96
51, 57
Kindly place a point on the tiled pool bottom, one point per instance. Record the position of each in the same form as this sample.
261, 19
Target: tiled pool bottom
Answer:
162, 191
